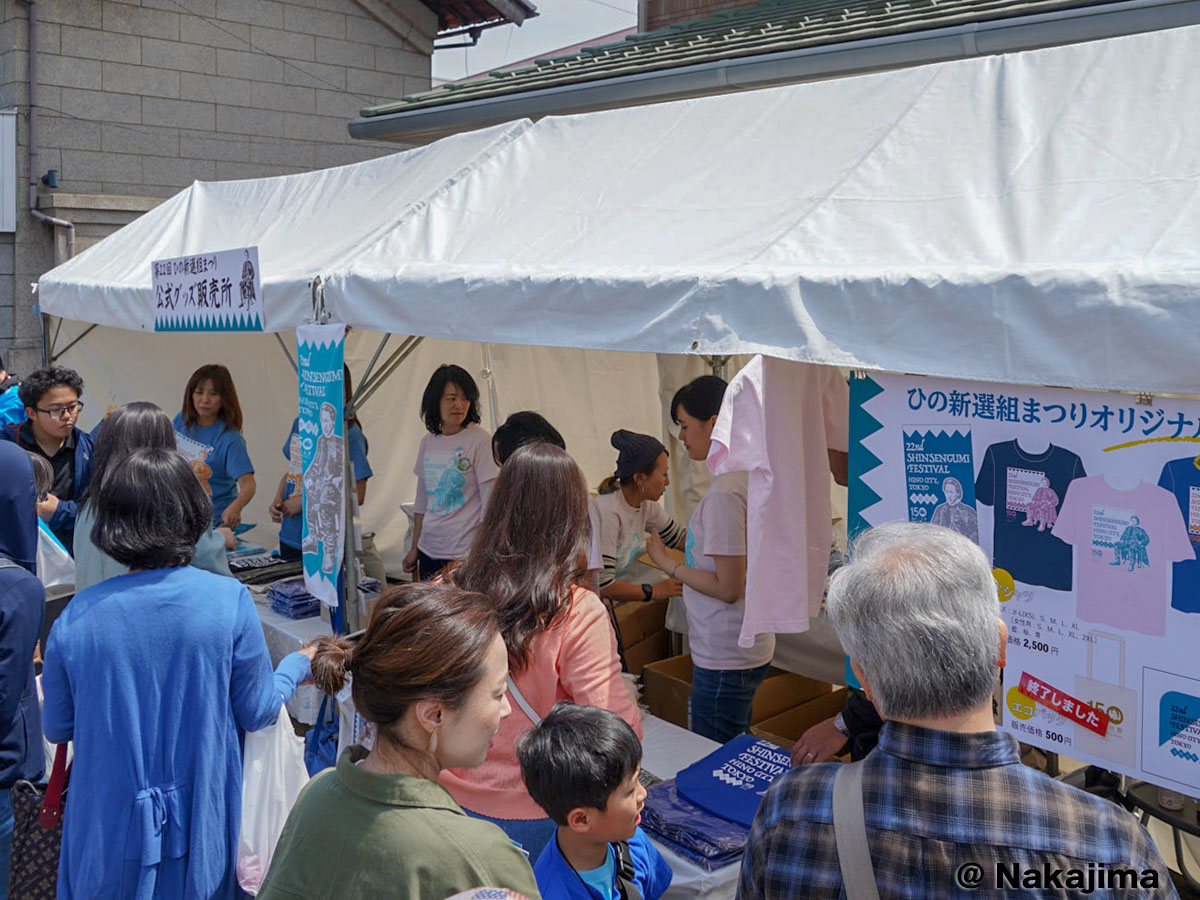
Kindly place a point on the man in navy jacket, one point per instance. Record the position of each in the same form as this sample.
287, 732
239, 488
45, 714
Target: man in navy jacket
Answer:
52, 403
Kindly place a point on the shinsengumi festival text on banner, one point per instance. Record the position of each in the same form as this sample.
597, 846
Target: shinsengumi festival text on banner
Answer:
217, 291
321, 352
1087, 506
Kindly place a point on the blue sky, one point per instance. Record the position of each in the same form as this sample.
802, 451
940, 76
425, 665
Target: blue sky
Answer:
560, 23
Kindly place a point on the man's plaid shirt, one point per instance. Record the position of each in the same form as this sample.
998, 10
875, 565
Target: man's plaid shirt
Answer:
936, 801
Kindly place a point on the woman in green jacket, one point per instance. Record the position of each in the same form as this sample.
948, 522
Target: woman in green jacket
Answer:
430, 673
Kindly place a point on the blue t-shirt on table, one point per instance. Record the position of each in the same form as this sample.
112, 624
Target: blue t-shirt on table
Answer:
219, 458
556, 879
356, 443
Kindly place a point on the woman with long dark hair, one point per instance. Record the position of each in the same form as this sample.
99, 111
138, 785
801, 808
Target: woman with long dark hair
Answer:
530, 557
211, 425
134, 426
430, 674
455, 471
155, 675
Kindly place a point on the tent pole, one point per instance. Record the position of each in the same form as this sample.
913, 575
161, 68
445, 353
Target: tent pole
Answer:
57, 356
351, 598
287, 353
362, 382
487, 373
400, 355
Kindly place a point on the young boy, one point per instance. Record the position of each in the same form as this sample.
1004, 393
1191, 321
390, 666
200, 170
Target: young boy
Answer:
581, 765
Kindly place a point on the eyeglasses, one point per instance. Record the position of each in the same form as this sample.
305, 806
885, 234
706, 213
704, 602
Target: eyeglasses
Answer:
62, 412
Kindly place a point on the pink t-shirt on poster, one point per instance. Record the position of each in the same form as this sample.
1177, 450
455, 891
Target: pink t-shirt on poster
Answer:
777, 422
1125, 543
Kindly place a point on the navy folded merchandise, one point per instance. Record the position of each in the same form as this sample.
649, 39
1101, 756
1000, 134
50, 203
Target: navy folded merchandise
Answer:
706, 840
292, 587
730, 782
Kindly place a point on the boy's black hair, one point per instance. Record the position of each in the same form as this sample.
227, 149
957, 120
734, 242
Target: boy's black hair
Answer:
150, 510
523, 428
431, 401
39, 381
577, 756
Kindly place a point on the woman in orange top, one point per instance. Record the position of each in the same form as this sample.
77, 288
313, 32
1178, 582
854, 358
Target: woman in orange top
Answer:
530, 556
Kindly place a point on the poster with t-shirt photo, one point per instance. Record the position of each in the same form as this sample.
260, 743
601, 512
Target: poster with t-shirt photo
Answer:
1088, 506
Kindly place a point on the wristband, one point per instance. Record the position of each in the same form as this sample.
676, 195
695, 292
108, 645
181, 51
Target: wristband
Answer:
647, 592
675, 569
839, 722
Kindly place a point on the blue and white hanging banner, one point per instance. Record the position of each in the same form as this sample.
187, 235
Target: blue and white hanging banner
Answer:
217, 291
321, 353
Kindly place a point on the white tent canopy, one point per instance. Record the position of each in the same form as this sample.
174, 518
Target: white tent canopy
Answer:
1032, 217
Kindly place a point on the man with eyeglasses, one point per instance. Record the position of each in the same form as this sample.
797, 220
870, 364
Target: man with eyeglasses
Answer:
52, 405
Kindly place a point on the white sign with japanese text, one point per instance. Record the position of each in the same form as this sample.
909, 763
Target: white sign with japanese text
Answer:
1085, 503
218, 291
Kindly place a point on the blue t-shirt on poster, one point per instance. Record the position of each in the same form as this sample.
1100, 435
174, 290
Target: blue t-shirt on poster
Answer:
1026, 491
218, 456
1182, 478
356, 443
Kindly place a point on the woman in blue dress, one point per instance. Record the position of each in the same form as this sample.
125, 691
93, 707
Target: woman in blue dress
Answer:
155, 675
210, 439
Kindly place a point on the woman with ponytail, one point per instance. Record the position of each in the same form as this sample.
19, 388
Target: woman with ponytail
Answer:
430, 674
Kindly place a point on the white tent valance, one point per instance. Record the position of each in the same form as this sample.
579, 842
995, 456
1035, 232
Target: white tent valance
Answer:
1032, 218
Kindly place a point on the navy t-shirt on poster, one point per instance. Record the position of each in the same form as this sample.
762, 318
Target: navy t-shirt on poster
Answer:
1026, 491
1182, 478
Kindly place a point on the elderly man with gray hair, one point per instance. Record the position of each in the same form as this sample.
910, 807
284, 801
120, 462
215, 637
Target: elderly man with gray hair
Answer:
942, 807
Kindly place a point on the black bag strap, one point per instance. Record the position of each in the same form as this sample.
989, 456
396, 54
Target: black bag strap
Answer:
626, 872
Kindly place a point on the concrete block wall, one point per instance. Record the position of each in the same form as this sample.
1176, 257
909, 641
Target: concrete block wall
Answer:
142, 97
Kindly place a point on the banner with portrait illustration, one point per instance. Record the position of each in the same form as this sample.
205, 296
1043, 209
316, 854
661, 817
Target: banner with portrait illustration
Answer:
1088, 506
320, 354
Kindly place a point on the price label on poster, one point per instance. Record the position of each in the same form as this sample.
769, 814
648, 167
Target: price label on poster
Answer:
1087, 505
218, 291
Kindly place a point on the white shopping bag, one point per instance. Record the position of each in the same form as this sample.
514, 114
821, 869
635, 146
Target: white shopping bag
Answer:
273, 773
1109, 694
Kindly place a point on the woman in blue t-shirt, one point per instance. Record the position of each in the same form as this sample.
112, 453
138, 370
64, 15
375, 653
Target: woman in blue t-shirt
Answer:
209, 430
288, 504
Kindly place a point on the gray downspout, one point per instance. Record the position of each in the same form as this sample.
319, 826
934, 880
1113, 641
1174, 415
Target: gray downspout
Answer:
33, 152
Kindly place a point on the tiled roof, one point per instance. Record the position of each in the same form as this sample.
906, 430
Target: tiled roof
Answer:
771, 26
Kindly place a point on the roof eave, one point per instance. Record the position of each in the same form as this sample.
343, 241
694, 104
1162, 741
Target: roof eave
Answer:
806, 64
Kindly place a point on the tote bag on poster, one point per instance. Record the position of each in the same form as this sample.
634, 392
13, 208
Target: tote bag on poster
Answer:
1119, 745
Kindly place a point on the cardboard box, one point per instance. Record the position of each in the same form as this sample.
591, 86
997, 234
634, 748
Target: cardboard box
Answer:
638, 619
649, 649
782, 690
786, 728
669, 687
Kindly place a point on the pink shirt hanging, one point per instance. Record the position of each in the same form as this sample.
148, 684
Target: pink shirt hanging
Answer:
777, 422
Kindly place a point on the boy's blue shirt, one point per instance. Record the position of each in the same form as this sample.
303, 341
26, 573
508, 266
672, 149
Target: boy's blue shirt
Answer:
558, 881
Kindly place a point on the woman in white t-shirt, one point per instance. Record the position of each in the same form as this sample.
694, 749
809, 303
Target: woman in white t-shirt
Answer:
454, 470
724, 675
627, 510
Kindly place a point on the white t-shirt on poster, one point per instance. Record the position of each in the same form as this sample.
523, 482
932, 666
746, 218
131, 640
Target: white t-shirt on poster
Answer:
718, 528
454, 477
